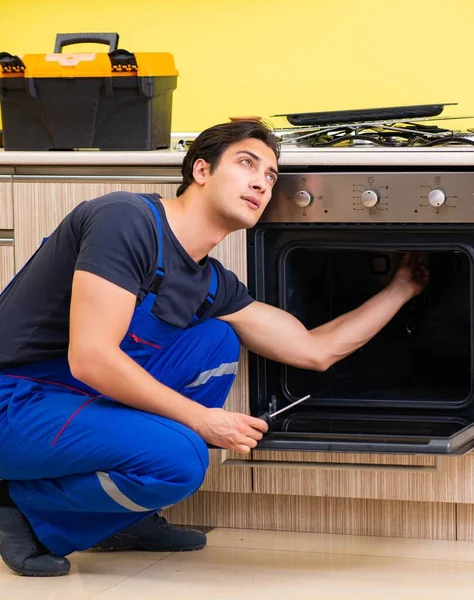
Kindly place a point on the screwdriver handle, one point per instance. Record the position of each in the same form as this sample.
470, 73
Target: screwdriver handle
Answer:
265, 417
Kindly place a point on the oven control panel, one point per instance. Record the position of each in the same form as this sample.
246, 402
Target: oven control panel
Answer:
379, 197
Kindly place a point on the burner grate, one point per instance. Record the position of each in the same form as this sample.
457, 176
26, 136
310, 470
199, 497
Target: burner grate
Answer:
393, 135
401, 132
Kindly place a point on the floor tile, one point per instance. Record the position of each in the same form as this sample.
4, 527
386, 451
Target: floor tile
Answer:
230, 573
219, 573
342, 544
243, 564
91, 574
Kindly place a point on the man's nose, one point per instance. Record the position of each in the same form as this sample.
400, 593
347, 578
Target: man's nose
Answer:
260, 183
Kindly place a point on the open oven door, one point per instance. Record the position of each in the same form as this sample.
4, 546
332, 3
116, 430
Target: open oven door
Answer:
356, 433
410, 389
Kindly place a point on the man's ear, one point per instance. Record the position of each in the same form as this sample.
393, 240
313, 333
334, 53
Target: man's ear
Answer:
201, 171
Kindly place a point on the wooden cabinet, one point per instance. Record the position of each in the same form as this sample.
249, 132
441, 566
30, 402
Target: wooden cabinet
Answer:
39, 205
391, 477
347, 516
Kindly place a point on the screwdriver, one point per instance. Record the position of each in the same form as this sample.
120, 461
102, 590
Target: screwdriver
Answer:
266, 416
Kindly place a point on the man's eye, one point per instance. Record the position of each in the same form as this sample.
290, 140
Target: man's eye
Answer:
247, 161
271, 178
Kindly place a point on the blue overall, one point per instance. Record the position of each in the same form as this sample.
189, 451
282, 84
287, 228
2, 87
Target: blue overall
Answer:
82, 466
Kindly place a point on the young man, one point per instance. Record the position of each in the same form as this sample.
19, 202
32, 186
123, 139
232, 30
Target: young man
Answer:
120, 342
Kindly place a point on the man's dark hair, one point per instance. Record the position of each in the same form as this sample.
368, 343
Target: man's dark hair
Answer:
213, 142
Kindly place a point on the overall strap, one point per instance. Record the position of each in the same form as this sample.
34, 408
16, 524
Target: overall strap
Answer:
150, 298
211, 295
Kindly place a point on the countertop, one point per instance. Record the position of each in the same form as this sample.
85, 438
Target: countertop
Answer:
290, 156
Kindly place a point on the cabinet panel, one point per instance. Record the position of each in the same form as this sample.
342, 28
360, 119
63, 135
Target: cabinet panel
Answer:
465, 522
6, 202
420, 520
7, 265
341, 458
40, 206
447, 479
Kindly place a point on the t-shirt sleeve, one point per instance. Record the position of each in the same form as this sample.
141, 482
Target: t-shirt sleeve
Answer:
118, 240
232, 295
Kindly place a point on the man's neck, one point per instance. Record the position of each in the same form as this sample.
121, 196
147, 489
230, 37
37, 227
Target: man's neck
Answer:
196, 230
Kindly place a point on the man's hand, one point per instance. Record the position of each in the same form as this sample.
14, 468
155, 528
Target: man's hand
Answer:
411, 274
230, 430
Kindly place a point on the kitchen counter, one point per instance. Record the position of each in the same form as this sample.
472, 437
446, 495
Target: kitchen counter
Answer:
290, 156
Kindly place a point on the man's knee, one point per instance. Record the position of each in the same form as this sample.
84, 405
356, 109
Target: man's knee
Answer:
181, 472
193, 461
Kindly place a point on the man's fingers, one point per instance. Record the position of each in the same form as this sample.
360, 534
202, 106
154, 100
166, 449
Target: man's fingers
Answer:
244, 441
406, 260
425, 274
248, 441
254, 434
242, 449
258, 424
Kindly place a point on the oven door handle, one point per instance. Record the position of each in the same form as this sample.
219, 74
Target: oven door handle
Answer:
458, 444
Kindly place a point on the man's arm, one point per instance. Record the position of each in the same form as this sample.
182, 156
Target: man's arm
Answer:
100, 316
277, 335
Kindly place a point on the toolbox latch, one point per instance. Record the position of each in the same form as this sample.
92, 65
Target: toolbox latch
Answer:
123, 61
11, 64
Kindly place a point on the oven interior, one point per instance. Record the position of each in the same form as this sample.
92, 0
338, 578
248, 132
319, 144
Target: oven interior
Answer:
414, 378
421, 356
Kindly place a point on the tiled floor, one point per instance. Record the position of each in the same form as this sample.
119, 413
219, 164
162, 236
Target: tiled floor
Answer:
242, 564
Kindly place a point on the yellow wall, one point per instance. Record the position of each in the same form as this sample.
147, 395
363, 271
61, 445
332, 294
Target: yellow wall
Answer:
262, 57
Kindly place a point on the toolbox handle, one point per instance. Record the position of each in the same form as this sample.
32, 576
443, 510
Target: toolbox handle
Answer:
67, 39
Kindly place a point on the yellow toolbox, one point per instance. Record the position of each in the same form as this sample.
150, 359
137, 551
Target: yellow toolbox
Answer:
108, 101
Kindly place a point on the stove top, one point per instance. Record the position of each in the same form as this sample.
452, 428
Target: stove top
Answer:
391, 127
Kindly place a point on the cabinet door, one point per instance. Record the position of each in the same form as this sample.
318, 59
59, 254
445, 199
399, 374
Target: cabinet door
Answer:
7, 257
40, 206
6, 202
391, 477
7, 261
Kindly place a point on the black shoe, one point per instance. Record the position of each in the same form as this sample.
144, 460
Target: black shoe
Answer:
154, 534
22, 552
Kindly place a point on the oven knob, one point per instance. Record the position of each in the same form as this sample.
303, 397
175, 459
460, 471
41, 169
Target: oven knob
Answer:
303, 198
369, 198
436, 198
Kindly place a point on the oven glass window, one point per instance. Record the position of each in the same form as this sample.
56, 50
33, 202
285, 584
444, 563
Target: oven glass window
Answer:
422, 356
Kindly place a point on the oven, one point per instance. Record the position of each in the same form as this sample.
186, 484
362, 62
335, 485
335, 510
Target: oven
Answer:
326, 243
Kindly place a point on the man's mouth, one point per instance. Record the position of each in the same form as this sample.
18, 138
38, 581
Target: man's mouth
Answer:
252, 202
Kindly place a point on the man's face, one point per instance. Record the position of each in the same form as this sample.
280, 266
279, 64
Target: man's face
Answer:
241, 186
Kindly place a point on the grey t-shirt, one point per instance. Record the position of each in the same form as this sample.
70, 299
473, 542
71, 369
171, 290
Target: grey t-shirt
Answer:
114, 236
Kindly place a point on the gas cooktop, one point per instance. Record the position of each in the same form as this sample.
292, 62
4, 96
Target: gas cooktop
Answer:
390, 127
